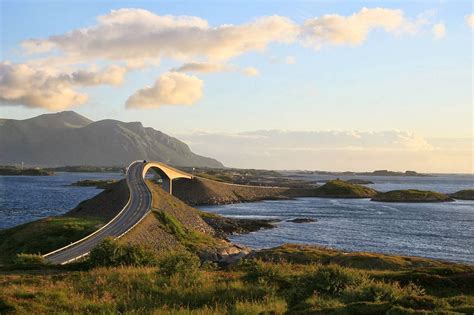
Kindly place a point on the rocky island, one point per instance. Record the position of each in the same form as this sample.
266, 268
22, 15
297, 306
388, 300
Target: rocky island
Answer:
466, 194
411, 195
341, 189
16, 171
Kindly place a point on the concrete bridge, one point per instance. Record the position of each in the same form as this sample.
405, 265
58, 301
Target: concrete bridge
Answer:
137, 207
167, 174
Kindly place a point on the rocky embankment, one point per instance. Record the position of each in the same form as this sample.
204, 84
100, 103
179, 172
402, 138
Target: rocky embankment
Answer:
201, 191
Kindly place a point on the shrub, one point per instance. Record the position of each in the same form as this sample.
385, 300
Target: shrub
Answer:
179, 263
26, 261
333, 279
110, 253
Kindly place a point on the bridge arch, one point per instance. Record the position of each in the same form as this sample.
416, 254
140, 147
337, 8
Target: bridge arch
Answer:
167, 173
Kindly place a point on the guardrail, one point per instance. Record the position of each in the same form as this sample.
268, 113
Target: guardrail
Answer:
103, 227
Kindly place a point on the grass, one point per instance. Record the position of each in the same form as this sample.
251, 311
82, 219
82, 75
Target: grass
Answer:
192, 239
178, 285
411, 195
43, 236
341, 189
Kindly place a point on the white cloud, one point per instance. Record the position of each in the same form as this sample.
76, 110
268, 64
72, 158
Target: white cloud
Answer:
136, 34
250, 72
172, 88
112, 75
335, 29
31, 86
21, 84
205, 67
138, 37
439, 31
290, 60
470, 21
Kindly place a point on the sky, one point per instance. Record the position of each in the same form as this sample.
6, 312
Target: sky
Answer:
329, 85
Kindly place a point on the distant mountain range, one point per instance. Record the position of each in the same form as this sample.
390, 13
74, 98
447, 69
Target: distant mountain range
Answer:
67, 138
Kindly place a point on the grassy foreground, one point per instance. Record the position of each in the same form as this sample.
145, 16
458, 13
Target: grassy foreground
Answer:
290, 279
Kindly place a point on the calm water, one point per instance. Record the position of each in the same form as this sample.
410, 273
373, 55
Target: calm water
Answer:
436, 230
443, 230
28, 198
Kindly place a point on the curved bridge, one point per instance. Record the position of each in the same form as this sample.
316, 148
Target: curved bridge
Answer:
137, 207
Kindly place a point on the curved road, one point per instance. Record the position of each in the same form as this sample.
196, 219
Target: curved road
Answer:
138, 206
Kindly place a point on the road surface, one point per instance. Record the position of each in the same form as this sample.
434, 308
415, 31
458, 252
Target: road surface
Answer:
139, 205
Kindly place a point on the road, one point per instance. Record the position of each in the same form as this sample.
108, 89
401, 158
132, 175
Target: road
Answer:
139, 205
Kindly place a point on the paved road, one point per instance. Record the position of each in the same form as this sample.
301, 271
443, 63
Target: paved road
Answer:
138, 207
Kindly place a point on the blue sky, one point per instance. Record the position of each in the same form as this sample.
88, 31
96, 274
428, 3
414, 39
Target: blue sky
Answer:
390, 81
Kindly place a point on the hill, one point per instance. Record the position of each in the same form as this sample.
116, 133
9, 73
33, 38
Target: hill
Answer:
342, 189
67, 138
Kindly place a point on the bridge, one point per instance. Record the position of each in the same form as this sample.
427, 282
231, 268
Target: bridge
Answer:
137, 207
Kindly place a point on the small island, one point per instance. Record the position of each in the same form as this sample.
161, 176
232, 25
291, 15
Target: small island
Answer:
98, 183
411, 195
302, 220
359, 181
466, 194
341, 189
17, 171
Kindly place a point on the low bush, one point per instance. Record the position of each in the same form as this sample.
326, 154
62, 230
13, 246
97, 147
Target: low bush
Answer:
27, 261
111, 253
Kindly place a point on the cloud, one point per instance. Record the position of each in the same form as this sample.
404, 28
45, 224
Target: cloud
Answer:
333, 150
203, 67
290, 60
137, 37
470, 21
37, 87
136, 34
439, 31
250, 72
113, 75
335, 29
21, 84
172, 88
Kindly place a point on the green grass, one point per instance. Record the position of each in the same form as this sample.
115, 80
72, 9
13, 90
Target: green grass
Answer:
342, 189
43, 236
192, 239
179, 285
411, 195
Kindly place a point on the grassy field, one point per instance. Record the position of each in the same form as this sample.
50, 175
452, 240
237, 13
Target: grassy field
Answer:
292, 279
44, 235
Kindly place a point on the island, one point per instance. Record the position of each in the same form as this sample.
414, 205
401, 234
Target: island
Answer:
359, 181
17, 171
341, 189
98, 183
466, 194
411, 195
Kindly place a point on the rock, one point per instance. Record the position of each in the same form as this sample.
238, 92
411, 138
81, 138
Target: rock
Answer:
227, 226
302, 220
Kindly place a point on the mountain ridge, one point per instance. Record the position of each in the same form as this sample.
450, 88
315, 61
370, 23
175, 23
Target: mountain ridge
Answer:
68, 138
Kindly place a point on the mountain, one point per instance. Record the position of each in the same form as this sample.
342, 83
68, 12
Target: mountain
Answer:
67, 138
